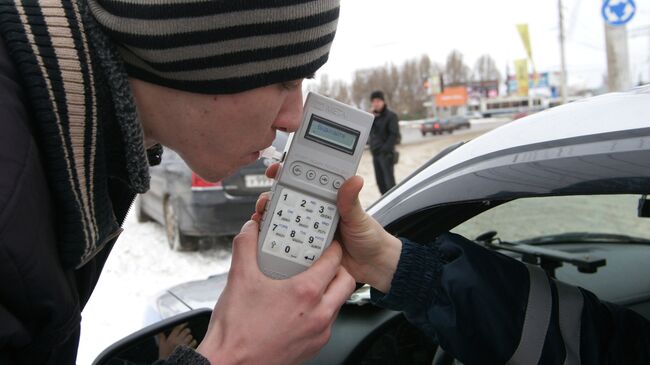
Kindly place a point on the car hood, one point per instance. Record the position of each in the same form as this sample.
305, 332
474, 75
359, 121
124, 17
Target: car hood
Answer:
191, 295
205, 293
599, 145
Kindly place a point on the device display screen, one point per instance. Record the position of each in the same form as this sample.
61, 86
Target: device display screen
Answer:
326, 132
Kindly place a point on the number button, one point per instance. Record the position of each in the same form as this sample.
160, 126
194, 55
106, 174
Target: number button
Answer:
310, 256
274, 246
291, 251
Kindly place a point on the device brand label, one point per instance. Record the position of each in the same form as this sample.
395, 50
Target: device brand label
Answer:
329, 108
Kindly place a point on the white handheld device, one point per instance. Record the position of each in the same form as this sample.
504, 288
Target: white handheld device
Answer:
301, 216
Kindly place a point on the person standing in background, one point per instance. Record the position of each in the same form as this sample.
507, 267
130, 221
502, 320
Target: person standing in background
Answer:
384, 135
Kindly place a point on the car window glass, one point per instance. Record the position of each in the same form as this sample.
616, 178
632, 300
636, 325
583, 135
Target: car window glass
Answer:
533, 217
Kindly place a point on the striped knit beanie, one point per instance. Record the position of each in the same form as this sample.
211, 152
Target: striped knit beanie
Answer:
219, 46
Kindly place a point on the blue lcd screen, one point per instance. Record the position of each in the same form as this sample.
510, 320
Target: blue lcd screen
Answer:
331, 134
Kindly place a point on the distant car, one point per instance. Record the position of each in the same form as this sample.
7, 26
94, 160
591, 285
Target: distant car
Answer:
436, 126
459, 122
191, 208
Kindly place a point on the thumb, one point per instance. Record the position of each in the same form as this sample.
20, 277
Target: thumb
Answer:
348, 200
244, 248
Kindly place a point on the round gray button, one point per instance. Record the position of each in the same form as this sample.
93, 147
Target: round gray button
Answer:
324, 179
311, 175
337, 183
297, 170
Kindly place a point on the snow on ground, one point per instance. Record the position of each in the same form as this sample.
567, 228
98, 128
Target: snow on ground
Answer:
142, 265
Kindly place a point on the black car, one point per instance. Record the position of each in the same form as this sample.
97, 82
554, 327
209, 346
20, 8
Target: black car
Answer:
459, 122
436, 126
191, 208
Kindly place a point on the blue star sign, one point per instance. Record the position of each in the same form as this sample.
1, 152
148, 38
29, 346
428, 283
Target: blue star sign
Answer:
618, 12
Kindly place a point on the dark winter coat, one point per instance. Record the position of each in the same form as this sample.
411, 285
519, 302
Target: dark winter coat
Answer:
384, 134
40, 300
66, 134
483, 307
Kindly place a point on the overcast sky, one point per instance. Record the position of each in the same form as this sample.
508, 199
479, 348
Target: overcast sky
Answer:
376, 32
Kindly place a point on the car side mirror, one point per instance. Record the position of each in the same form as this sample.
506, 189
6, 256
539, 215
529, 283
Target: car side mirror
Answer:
644, 207
156, 341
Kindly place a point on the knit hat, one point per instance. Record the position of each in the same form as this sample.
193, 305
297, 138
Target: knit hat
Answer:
377, 95
219, 46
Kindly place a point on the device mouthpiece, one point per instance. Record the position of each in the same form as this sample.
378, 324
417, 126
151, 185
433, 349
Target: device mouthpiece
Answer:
271, 153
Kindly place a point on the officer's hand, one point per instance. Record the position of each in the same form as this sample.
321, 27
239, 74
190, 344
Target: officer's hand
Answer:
179, 335
370, 253
259, 320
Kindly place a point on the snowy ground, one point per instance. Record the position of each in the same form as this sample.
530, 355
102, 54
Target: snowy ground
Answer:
141, 264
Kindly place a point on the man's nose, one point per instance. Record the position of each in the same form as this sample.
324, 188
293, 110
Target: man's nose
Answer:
291, 112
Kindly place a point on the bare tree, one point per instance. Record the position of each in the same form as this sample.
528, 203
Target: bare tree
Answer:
340, 91
324, 85
456, 72
486, 69
402, 85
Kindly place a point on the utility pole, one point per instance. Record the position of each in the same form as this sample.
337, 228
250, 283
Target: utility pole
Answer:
618, 64
640, 32
563, 87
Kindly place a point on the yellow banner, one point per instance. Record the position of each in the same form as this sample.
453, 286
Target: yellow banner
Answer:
521, 72
525, 38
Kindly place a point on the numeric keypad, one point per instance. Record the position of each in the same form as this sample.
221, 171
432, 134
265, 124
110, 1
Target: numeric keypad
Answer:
299, 227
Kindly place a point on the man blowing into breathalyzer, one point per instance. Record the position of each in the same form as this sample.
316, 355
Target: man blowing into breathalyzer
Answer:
89, 90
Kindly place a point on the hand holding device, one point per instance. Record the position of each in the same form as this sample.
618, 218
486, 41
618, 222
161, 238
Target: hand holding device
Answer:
301, 216
258, 320
370, 253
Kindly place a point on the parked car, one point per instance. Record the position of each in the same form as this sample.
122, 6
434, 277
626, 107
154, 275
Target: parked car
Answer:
436, 126
459, 122
191, 208
566, 190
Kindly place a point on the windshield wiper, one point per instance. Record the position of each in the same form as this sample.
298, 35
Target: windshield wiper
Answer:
548, 259
584, 237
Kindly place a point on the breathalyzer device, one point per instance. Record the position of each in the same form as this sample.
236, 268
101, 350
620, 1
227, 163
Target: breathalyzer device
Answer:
300, 216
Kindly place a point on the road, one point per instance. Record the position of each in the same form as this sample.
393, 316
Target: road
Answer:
411, 132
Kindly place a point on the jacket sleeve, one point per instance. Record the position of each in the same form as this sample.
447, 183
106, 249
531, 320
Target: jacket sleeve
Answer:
392, 131
184, 355
486, 308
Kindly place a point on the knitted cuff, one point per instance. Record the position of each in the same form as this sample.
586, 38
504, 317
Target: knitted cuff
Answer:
415, 281
184, 355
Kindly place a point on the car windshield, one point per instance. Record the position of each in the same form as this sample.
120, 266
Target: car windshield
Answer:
531, 218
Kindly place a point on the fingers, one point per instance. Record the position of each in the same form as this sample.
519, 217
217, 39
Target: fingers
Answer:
261, 201
176, 330
272, 170
259, 207
244, 248
348, 202
325, 268
187, 337
339, 290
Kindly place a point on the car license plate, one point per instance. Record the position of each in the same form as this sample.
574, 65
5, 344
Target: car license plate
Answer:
257, 181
